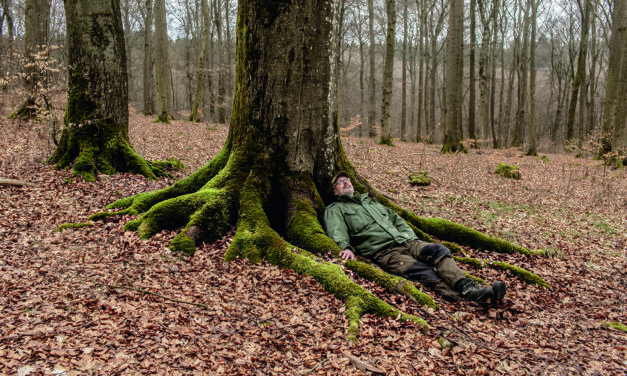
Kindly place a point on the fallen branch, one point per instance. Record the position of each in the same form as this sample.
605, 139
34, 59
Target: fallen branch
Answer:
18, 183
152, 293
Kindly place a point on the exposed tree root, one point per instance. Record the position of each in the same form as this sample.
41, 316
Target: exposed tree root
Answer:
519, 272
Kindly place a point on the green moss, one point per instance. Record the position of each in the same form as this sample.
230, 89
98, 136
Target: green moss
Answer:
419, 179
354, 311
386, 141
85, 165
522, 274
519, 272
445, 344
615, 325
66, 226
508, 171
182, 243
543, 158
304, 230
390, 282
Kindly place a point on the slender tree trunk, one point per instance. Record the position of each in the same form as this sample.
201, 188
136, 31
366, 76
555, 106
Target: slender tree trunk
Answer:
592, 92
201, 75
362, 70
472, 134
372, 99
221, 69
149, 103
580, 73
532, 80
162, 63
229, 59
454, 45
495, 138
619, 140
388, 73
126, 13
523, 74
404, 75
486, 21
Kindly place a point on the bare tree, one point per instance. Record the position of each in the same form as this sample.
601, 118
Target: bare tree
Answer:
372, 128
162, 64
201, 73
452, 136
149, 103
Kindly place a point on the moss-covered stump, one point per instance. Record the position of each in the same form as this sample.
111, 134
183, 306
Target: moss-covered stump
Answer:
420, 179
27, 111
508, 171
98, 147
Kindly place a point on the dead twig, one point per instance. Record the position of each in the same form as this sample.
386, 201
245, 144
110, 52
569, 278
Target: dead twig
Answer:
18, 183
152, 293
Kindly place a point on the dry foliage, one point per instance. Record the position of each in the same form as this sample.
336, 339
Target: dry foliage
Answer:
98, 300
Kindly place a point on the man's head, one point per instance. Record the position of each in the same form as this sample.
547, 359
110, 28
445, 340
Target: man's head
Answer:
342, 184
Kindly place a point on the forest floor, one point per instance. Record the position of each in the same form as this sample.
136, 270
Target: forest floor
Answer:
99, 300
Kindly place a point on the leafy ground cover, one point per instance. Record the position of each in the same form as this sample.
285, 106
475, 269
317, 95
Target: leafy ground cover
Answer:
98, 300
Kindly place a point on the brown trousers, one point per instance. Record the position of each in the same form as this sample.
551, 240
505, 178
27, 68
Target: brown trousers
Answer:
428, 263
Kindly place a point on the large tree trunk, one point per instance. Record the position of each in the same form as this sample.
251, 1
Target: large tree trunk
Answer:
388, 73
36, 23
274, 172
162, 64
96, 115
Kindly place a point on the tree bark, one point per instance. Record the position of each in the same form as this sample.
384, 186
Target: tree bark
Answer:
162, 64
96, 115
149, 103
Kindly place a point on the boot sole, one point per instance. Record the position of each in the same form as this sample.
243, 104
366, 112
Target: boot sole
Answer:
499, 291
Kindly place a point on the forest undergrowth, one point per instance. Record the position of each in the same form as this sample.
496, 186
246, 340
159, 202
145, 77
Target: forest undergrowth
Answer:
99, 300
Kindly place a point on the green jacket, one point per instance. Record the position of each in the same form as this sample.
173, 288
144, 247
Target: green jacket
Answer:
365, 226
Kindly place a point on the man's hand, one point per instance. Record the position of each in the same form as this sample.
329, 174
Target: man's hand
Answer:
347, 254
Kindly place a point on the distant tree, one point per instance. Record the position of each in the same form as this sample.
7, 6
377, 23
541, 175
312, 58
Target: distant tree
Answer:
388, 73
95, 137
454, 45
36, 24
372, 113
201, 73
472, 86
523, 79
162, 64
149, 102
585, 10
532, 79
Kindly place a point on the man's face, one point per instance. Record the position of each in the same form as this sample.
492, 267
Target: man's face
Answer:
343, 186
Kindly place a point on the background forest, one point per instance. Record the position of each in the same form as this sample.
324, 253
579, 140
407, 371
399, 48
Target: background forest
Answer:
532, 74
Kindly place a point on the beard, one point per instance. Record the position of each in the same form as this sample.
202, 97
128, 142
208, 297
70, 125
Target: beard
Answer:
348, 191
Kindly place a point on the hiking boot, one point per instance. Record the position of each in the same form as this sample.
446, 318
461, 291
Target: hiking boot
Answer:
469, 291
499, 290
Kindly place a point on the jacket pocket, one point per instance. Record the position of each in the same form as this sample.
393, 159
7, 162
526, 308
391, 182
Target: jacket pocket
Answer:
357, 221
